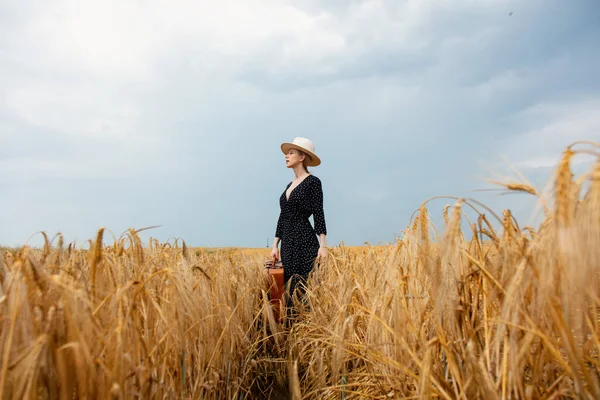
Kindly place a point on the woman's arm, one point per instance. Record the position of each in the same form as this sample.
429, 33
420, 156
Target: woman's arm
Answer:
323, 241
278, 229
317, 209
319, 217
278, 235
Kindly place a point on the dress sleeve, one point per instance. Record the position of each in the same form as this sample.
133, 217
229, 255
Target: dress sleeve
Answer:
279, 229
316, 202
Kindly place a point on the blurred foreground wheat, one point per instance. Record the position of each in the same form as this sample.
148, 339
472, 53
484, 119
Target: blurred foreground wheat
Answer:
497, 311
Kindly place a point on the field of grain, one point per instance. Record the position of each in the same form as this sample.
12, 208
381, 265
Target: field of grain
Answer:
482, 313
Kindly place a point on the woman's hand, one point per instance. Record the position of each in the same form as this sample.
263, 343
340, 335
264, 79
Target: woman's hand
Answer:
275, 253
322, 254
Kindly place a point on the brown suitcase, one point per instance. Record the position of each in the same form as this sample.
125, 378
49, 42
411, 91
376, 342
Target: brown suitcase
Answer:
273, 273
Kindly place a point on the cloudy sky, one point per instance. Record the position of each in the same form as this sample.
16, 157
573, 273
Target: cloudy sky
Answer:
123, 114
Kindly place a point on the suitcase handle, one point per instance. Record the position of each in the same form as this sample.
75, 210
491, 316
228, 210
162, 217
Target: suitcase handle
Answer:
272, 263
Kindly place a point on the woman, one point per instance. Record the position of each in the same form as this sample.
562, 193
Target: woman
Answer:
302, 197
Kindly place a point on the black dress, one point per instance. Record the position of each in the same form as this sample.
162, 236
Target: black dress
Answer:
299, 242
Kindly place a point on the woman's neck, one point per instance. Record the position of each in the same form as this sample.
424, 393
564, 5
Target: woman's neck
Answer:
300, 172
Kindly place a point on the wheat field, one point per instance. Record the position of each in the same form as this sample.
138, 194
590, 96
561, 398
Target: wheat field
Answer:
497, 311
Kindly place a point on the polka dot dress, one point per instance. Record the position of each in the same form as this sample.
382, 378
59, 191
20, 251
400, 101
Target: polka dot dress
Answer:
299, 241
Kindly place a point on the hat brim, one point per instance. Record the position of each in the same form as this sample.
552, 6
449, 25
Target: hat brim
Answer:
312, 162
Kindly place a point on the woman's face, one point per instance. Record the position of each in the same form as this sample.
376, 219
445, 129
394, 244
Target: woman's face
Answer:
293, 158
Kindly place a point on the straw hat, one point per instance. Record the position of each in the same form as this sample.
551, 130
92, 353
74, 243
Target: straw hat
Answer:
304, 145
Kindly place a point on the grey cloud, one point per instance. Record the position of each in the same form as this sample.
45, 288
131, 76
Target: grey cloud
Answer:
396, 124
25, 140
459, 49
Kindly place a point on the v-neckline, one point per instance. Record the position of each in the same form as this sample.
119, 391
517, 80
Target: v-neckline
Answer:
287, 198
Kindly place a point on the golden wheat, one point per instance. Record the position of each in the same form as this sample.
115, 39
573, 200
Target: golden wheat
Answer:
498, 311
